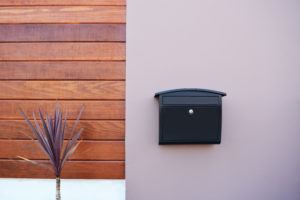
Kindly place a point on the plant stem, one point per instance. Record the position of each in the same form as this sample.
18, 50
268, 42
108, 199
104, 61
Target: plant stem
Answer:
57, 188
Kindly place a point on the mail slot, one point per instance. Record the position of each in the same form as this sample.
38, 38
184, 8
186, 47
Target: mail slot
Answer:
190, 116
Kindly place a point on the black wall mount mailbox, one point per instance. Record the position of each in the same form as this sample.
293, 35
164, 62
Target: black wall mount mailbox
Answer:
190, 116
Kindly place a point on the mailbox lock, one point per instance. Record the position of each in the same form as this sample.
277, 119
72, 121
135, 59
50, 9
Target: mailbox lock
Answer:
191, 111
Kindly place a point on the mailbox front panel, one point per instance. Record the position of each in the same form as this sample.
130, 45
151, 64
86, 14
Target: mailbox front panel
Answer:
190, 124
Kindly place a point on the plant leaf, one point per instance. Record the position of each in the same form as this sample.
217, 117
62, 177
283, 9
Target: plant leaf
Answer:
70, 145
50, 136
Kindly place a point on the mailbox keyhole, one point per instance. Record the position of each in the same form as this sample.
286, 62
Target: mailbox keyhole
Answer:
191, 111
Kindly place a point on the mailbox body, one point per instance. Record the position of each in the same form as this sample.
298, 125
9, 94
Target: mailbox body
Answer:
190, 116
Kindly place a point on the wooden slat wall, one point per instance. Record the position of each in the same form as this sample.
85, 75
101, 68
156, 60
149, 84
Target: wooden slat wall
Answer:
71, 51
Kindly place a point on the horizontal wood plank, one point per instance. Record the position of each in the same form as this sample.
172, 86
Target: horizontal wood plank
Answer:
62, 14
93, 130
62, 51
87, 150
62, 32
72, 169
61, 2
62, 70
62, 90
9, 109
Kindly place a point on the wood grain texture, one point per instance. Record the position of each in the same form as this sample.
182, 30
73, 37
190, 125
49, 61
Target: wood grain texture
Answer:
62, 70
93, 109
93, 130
87, 150
62, 51
72, 169
70, 52
60, 2
62, 32
62, 90
62, 14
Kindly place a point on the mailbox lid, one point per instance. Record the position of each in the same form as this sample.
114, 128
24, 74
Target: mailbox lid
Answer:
192, 92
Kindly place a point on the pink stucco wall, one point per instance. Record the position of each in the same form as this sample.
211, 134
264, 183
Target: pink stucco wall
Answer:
249, 49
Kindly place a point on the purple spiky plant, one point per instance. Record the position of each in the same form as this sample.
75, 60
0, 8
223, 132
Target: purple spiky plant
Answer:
50, 136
